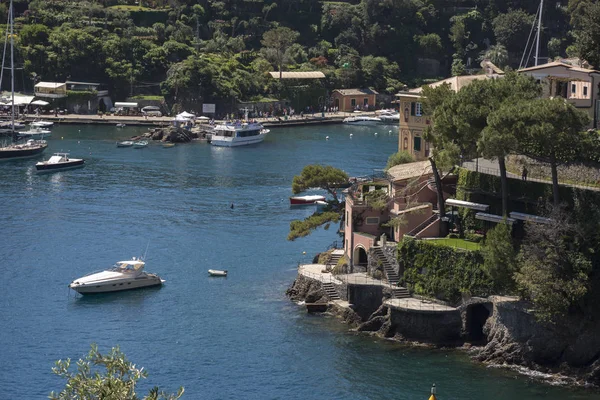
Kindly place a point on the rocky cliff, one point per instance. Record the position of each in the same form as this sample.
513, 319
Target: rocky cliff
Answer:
515, 337
507, 335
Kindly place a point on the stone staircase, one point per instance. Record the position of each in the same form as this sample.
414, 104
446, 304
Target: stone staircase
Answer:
390, 272
333, 259
423, 225
330, 291
398, 292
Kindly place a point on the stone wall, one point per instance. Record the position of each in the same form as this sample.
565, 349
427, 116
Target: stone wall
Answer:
365, 299
429, 327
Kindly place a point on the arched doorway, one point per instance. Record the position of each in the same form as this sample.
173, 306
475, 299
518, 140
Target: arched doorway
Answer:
360, 258
337, 104
101, 105
477, 315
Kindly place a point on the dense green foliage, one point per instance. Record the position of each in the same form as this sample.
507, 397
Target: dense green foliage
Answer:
556, 262
443, 272
401, 157
304, 228
499, 257
323, 177
104, 376
219, 50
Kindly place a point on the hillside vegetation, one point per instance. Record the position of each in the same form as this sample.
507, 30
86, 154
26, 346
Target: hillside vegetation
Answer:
221, 51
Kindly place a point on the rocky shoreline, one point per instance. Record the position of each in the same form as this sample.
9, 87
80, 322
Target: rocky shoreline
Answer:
172, 134
512, 337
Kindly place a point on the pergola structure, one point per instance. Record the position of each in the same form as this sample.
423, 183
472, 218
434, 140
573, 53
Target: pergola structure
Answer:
530, 218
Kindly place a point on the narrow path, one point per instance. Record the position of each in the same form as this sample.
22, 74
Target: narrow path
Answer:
491, 167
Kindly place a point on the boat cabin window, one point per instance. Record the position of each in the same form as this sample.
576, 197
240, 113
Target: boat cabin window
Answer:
126, 267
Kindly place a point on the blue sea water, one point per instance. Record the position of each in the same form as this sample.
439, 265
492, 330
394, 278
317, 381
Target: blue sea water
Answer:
232, 338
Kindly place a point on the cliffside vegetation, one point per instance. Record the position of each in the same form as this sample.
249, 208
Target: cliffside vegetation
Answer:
323, 177
443, 272
220, 50
104, 376
553, 264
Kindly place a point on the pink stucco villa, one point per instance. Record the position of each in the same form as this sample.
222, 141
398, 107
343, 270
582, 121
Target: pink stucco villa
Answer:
401, 203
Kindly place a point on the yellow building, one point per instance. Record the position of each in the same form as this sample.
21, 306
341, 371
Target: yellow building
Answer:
412, 120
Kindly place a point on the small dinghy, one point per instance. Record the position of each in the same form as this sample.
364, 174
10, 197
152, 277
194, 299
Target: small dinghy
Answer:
140, 144
121, 125
217, 272
126, 143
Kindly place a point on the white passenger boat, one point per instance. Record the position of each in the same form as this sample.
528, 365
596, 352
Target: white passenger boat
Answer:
217, 272
362, 120
124, 275
59, 161
238, 134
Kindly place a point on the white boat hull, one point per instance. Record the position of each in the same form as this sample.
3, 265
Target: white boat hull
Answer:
217, 272
236, 141
116, 286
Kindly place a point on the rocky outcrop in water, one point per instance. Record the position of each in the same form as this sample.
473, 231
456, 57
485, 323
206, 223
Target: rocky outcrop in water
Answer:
174, 134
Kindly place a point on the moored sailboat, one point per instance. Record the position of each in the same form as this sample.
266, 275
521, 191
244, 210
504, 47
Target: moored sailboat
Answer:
14, 150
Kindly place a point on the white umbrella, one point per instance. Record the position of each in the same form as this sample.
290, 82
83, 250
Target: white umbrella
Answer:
203, 118
40, 103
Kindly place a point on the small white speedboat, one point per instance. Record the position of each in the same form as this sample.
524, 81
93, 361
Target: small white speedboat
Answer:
217, 272
59, 162
125, 143
42, 124
121, 125
305, 200
140, 144
125, 275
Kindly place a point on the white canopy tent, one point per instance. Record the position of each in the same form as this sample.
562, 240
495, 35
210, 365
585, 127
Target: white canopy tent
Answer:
20, 99
39, 103
186, 115
203, 118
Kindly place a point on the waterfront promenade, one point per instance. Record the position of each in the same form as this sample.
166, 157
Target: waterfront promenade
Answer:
139, 120
315, 271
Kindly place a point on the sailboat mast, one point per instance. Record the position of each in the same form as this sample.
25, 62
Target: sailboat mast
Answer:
12, 63
539, 31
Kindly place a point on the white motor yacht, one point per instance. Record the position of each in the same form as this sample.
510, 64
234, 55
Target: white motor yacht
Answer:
42, 124
35, 133
124, 275
361, 120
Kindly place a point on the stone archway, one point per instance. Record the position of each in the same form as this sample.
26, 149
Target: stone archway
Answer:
360, 258
475, 318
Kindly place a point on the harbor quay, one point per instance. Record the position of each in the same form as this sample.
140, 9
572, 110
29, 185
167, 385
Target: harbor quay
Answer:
370, 305
139, 120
